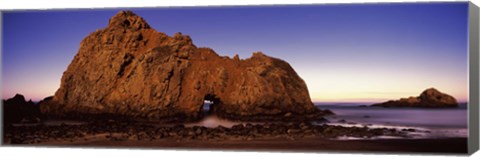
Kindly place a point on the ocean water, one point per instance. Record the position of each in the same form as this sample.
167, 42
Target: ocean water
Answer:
428, 123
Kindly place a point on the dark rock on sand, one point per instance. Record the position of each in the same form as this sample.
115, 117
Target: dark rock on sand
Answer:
18, 110
128, 69
430, 98
120, 131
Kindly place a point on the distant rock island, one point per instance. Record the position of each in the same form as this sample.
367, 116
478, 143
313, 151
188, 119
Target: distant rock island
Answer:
430, 98
130, 70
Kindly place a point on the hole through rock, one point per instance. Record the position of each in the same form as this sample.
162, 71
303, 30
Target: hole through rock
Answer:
209, 103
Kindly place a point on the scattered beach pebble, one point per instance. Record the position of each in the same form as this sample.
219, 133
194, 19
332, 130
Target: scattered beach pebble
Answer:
122, 131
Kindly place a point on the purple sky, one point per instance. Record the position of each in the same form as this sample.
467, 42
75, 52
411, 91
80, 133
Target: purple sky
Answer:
345, 53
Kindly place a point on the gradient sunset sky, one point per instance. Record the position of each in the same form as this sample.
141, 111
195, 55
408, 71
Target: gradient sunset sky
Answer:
344, 52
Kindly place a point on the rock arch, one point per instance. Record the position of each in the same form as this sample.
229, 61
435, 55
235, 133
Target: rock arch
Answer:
164, 78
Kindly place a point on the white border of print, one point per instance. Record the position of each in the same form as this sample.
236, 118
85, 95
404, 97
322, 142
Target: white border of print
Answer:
84, 152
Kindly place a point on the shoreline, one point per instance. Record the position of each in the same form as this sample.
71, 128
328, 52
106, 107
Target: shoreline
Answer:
268, 136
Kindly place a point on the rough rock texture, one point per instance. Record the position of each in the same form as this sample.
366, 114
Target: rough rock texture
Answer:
17, 109
130, 70
430, 98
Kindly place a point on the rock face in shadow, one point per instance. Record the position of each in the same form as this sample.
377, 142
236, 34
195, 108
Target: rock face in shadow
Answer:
430, 98
18, 110
130, 70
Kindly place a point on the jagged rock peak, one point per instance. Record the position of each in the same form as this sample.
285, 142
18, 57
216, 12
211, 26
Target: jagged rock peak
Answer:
430, 91
435, 96
258, 54
19, 97
128, 20
182, 39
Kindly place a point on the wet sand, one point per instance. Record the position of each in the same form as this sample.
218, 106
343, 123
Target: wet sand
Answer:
313, 144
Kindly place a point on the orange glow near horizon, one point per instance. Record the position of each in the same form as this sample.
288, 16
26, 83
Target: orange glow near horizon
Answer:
330, 85
376, 87
336, 84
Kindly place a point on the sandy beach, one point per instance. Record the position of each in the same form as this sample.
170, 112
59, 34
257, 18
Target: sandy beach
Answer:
257, 137
449, 146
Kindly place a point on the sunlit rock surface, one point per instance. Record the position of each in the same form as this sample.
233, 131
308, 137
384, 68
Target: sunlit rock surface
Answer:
130, 70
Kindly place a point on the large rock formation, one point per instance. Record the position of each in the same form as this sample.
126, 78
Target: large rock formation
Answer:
430, 98
18, 110
130, 70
